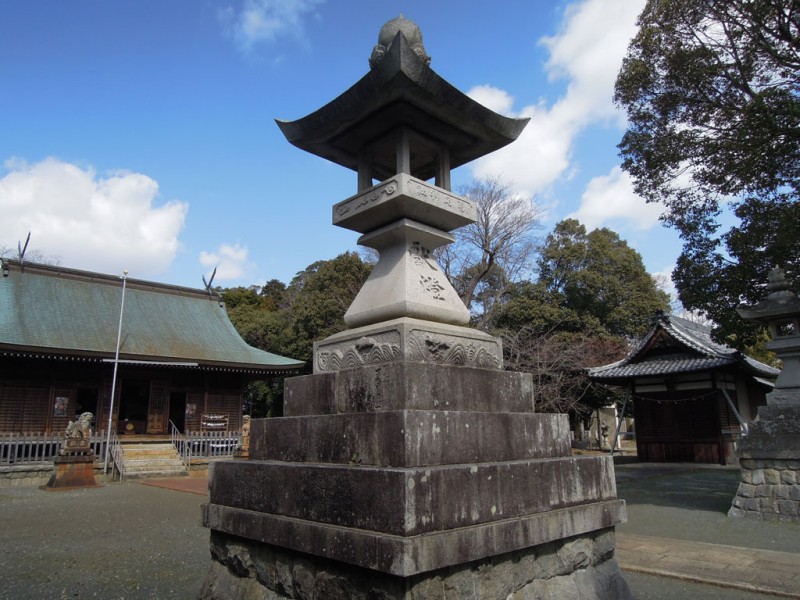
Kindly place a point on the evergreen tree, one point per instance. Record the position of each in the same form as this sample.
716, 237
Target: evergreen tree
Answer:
711, 92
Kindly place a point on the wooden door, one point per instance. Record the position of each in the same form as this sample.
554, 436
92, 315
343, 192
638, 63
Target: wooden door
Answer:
157, 409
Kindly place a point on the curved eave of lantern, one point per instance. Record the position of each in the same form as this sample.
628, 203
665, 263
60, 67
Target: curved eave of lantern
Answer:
401, 91
771, 309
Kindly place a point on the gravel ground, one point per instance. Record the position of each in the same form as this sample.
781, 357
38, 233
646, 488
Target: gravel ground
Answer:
120, 541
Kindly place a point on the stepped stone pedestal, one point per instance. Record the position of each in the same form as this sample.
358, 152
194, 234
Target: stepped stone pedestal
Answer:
410, 465
409, 481
769, 455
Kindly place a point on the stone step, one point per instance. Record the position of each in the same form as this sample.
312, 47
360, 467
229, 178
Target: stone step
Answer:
147, 455
151, 460
161, 462
171, 451
156, 473
144, 468
165, 471
147, 447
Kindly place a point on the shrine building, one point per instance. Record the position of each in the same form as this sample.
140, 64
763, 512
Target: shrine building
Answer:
179, 355
692, 396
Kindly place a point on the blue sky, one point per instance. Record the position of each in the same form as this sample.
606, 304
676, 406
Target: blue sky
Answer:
141, 135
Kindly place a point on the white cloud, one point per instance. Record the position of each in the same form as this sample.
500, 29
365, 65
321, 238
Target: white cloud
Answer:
230, 261
611, 197
588, 52
96, 223
540, 155
264, 21
492, 98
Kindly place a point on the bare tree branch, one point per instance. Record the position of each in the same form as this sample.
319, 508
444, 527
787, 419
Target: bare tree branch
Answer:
496, 250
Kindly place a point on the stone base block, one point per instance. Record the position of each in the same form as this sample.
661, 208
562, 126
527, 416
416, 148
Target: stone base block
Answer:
769, 457
776, 429
408, 340
409, 386
578, 567
72, 472
410, 501
410, 438
770, 487
407, 556
404, 196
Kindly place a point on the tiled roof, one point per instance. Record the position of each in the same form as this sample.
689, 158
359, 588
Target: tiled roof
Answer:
684, 347
55, 311
660, 367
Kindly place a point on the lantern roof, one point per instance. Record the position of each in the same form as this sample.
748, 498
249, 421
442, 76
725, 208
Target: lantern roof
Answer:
402, 92
781, 302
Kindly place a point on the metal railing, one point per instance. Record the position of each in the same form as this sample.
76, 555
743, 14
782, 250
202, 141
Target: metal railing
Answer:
26, 448
179, 442
212, 444
117, 457
29, 448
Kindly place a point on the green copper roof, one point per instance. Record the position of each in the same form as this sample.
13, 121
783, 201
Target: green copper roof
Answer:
52, 310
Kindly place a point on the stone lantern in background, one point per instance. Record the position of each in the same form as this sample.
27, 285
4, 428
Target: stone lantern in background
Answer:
769, 455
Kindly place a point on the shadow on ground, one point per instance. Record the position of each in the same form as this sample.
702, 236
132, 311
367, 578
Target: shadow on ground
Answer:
702, 490
691, 502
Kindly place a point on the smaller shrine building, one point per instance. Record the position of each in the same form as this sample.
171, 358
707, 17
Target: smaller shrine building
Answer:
179, 355
691, 395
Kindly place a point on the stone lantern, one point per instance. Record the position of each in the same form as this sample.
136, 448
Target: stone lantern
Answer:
769, 455
780, 312
410, 464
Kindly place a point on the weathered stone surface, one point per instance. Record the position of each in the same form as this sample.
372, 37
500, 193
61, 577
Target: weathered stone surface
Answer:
404, 196
72, 471
25, 475
406, 281
221, 584
409, 386
771, 476
408, 340
768, 457
777, 420
517, 575
410, 501
754, 445
307, 395
604, 546
746, 490
406, 556
775, 497
411, 438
